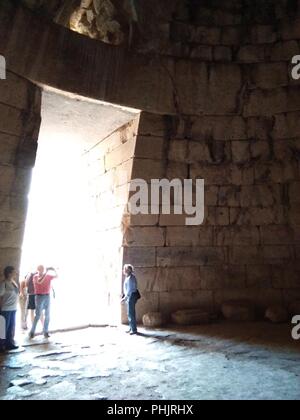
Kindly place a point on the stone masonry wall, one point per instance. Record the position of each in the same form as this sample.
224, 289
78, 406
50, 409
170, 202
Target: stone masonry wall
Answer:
19, 128
110, 171
248, 246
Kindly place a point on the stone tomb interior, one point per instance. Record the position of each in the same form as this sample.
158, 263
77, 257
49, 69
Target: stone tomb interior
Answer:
98, 93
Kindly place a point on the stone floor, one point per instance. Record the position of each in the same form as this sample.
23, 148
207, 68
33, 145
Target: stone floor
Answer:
219, 361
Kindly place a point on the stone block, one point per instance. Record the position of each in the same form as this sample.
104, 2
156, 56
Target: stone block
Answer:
211, 196
143, 219
202, 52
240, 311
212, 175
120, 155
144, 237
240, 151
148, 303
153, 320
274, 254
260, 196
191, 81
140, 257
266, 103
286, 126
229, 196
263, 34
150, 147
10, 256
256, 216
260, 150
148, 169
151, 125
237, 235
225, 82
245, 255
170, 279
177, 170
190, 256
218, 216
191, 317
251, 54
189, 236
291, 30
271, 235
11, 121
270, 75
277, 314
294, 308
255, 296
172, 219
178, 150
231, 36
14, 91
173, 301
259, 276
219, 128
8, 148
294, 192
222, 53
11, 235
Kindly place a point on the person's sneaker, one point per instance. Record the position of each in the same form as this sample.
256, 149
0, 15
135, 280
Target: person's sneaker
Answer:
31, 336
128, 331
12, 347
46, 335
133, 333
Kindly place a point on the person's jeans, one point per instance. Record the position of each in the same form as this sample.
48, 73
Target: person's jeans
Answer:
131, 313
10, 328
42, 303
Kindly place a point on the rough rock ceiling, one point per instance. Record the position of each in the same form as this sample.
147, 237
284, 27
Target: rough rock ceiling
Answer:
133, 22
111, 21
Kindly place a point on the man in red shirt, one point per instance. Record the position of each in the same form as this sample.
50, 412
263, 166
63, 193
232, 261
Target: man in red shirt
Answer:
42, 287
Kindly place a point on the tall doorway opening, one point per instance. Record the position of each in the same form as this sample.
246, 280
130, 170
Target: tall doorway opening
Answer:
72, 224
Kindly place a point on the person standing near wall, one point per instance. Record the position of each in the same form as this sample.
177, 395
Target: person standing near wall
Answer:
9, 295
42, 286
23, 301
131, 296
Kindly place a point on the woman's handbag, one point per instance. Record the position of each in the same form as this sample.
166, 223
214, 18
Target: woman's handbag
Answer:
138, 295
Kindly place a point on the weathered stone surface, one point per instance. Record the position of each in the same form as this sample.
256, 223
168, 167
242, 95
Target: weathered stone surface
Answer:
190, 317
150, 147
259, 276
140, 257
189, 236
168, 279
270, 75
188, 256
173, 301
277, 314
237, 235
294, 308
238, 311
153, 320
144, 237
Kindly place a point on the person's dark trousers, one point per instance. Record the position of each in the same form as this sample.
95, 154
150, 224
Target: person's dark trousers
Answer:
10, 328
131, 313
